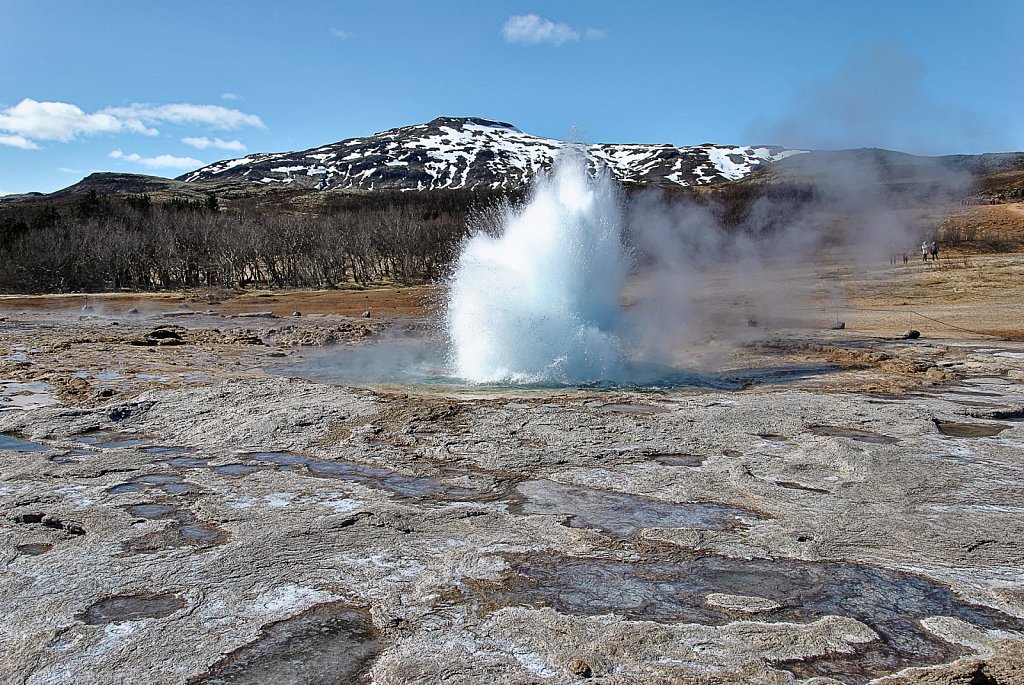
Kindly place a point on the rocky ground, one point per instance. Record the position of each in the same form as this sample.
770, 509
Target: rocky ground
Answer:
184, 502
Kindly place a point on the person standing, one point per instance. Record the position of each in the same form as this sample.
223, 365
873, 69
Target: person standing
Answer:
924, 251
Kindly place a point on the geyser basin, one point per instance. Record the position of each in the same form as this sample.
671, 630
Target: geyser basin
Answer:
653, 589
539, 303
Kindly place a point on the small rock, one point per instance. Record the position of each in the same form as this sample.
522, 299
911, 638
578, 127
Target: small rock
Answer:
912, 335
255, 315
87, 308
578, 668
838, 326
366, 314
752, 323
133, 311
296, 313
164, 333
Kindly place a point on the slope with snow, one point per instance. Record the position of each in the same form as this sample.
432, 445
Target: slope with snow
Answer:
467, 152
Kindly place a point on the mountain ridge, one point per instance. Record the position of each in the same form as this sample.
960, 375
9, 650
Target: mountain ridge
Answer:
474, 153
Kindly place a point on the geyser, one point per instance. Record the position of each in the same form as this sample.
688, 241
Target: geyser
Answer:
539, 302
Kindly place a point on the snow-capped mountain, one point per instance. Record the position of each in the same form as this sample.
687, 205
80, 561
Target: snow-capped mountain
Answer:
467, 152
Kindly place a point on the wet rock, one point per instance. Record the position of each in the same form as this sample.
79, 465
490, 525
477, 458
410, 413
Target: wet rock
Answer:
131, 608
296, 313
34, 549
366, 314
838, 326
15, 444
329, 643
857, 434
254, 315
969, 430
741, 603
912, 334
620, 514
666, 591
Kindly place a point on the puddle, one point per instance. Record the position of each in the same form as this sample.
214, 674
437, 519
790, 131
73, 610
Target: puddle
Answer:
970, 430
792, 485
237, 469
110, 439
156, 512
162, 451
31, 395
131, 608
167, 482
772, 437
202, 533
188, 462
69, 456
853, 434
678, 459
891, 603
34, 549
13, 444
122, 488
618, 514
372, 476
632, 409
329, 643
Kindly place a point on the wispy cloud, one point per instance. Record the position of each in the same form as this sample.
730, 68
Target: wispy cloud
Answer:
203, 142
18, 141
31, 121
231, 97
533, 29
158, 162
69, 170
340, 33
214, 116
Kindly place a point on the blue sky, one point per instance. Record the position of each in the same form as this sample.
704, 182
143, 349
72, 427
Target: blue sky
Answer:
162, 87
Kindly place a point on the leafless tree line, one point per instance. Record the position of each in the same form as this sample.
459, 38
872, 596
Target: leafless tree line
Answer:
135, 243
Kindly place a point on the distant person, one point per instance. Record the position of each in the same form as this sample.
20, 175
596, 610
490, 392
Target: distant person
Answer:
906, 257
934, 249
924, 251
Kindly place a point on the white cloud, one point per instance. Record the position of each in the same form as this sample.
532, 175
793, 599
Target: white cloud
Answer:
204, 142
339, 33
214, 116
30, 121
69, 170
61, 121
531, 29
231, 97
19, 142
594, 34
158, 162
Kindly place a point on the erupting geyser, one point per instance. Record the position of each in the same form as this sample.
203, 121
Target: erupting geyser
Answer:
539, 303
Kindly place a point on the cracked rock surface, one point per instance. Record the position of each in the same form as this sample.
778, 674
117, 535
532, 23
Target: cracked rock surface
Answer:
208, 522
